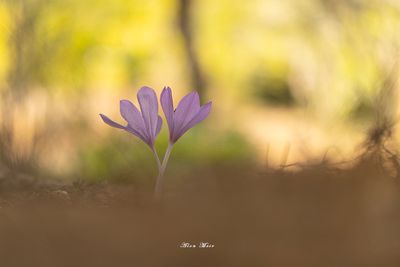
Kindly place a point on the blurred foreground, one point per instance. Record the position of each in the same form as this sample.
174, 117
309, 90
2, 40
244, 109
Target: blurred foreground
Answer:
320, 216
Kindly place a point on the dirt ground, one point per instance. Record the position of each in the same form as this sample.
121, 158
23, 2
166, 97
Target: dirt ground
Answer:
316, 217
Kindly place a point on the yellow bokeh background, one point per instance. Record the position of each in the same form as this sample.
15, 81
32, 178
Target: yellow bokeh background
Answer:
291, 81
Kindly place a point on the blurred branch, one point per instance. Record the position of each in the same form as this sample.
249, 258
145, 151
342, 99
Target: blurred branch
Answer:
185, 25
385, 109
23, 36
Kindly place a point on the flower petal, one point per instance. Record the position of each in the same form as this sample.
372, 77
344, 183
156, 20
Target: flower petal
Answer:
112, 123
187, 108
199, 117
134, 132
126, 128
149, 106
132, 115
167, 105
159, 124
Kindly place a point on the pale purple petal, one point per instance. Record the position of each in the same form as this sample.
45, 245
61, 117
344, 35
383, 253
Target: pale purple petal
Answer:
159, 124
119, 126
167, 105
149, 106
132, 115
134, 132
187, 108
112, 123
199, 117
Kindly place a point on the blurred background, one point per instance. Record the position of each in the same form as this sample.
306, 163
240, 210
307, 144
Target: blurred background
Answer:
291, 81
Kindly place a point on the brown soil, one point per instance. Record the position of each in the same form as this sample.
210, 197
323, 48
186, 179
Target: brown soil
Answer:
316, 217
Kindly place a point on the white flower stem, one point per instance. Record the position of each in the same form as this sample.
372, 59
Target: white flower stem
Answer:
161, 170
157, 158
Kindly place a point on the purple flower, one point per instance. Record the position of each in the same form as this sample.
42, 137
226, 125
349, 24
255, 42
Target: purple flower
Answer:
145, 124
187, 114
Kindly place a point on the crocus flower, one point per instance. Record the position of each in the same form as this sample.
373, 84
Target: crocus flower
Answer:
187, 114
145, 124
